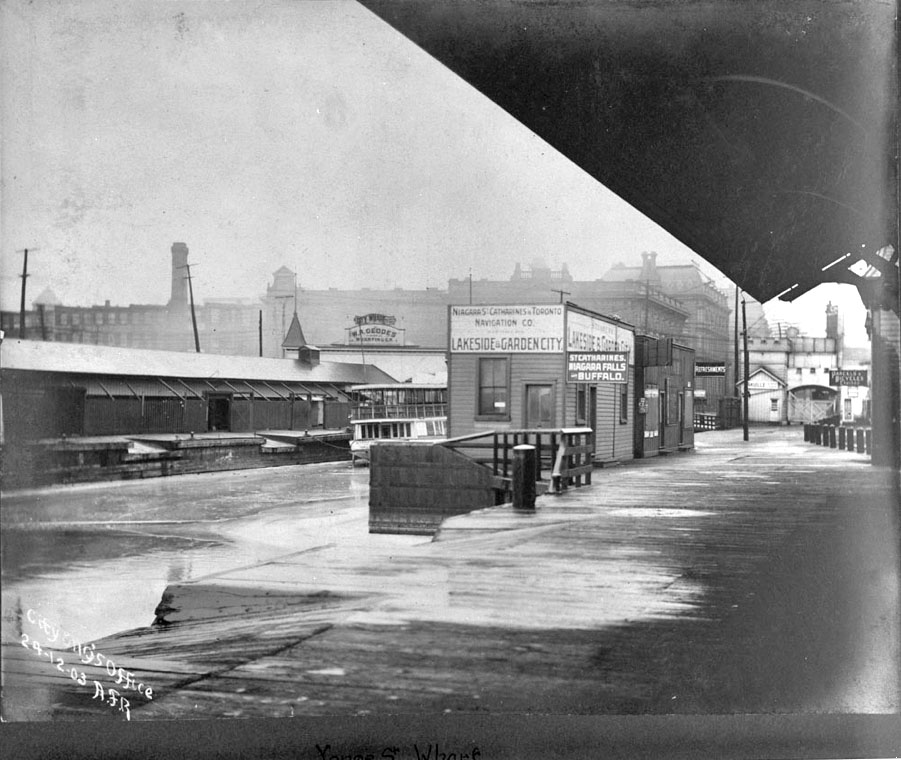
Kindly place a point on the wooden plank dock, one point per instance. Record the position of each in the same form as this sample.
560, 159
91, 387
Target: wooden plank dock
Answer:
743, 577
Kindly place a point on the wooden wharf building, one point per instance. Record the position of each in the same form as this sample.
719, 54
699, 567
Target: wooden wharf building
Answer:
542, 366
579, 387
76, 399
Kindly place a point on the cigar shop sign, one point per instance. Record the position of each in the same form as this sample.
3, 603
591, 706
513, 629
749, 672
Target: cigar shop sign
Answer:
374, 330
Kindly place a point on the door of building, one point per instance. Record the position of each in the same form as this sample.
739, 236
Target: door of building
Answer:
681, 418
219, 411
587, 408
539, 406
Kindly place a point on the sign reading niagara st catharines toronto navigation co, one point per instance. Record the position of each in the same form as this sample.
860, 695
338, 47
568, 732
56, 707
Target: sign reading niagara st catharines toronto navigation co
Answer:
506, 329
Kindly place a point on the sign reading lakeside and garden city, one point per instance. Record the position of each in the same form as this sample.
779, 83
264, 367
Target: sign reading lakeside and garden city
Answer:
596, 350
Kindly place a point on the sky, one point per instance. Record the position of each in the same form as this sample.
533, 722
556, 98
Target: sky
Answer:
304, 133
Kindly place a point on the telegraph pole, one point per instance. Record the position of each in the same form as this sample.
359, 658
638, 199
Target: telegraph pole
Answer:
562, 293
735, 363
747, 394
193, 314
24, 277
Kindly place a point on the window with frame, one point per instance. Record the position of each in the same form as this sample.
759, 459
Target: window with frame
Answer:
493, 389
581, 405
623, 403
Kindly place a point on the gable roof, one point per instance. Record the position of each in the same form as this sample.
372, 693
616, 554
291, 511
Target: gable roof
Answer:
764, 371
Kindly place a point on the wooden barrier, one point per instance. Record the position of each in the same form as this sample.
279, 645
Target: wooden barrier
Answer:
413, 487
844, 438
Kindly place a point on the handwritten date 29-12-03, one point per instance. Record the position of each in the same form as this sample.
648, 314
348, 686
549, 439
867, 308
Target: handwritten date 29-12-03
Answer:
87, 655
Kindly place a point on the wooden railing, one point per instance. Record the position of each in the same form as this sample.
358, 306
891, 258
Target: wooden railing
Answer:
706, 421
392, 411
564, 456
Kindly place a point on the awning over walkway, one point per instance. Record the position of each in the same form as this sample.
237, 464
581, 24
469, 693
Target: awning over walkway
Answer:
758, 133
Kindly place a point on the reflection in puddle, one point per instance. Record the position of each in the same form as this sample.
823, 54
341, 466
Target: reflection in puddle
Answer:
108, 573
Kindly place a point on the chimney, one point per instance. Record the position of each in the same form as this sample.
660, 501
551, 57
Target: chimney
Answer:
179, 297
831, 320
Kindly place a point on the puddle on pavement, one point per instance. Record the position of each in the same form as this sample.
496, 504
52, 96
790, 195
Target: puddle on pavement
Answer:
102, 576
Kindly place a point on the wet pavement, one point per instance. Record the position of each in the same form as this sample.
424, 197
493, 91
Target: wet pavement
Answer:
96, 558
755, 577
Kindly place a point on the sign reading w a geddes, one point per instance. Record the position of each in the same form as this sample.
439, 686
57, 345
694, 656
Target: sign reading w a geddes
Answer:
597, 367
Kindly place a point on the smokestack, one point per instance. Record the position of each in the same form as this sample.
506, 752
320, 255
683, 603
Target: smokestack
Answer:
179, 297
832, 328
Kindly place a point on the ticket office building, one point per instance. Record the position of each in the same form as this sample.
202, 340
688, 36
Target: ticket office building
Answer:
531, 366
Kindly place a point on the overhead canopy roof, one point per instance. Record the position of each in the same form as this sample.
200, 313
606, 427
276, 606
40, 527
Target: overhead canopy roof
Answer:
761, 134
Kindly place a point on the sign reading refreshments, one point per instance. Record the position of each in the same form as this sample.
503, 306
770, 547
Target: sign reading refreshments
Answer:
597, 366
533, 329
853, 377
710, 369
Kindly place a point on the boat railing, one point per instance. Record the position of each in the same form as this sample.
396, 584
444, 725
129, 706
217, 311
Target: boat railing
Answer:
396, 411
564, 455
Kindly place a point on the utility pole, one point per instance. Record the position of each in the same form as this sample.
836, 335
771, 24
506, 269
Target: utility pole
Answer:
647, 298
735, 372
24, 277
562, 293
747, 393
193, 314
261, 337
470, 286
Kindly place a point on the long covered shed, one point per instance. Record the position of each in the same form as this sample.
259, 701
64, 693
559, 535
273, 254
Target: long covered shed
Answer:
57, 389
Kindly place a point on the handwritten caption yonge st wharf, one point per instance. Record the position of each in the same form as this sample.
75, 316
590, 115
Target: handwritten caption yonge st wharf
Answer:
416, 752
86, 655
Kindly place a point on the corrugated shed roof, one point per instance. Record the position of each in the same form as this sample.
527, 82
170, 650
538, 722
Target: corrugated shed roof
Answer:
73, 358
